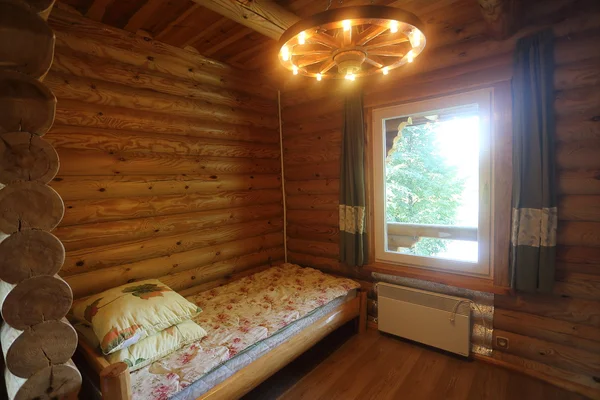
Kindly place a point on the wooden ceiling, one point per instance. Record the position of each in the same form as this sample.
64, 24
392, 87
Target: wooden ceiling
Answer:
186, 24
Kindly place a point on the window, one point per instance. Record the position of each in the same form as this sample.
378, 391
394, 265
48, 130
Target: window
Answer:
432, 183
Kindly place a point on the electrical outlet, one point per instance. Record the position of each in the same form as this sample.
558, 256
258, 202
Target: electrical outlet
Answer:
502, 342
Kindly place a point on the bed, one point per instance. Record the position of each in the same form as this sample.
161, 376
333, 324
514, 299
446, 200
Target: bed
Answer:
255, 327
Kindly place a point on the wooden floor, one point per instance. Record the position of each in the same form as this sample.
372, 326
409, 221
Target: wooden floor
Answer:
376, 366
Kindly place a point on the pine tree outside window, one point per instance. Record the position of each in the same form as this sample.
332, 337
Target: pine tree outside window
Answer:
432, 183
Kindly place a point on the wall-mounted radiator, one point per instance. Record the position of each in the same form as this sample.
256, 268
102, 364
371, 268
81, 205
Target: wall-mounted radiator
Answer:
430, 318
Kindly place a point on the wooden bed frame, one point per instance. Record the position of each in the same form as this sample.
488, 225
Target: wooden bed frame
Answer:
115, 381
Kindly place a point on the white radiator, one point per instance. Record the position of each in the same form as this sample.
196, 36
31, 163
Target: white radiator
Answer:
430, 318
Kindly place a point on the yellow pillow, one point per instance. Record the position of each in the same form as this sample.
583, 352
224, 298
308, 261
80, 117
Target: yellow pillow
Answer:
127, 314
153, 348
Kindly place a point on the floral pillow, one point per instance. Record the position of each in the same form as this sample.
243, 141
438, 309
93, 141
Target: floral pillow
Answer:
148, 350
127, 314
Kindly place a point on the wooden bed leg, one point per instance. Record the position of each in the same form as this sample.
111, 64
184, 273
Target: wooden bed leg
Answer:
115, 382
362, 317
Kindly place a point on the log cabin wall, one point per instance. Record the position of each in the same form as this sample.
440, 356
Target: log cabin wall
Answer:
170, 162
554, 337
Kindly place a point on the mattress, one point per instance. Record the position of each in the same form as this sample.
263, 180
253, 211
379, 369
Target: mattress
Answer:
244, 320
254, 352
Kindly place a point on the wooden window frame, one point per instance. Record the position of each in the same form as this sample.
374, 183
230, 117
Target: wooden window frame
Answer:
501, 160
482, 268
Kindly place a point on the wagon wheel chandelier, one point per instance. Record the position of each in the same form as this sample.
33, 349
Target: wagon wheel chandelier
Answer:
352, 42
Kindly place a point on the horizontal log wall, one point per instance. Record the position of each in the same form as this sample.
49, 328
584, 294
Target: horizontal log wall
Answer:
170, 162
556, 336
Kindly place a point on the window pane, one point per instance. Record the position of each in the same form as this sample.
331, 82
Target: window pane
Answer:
432, 178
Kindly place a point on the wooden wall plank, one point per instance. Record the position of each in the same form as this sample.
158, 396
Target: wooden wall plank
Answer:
92, 91
169, 161
102, 163
67, 62
89, 37
127, 252
107, 187
549, 329
568, 309
179, 265
81, 114
77, 237
561, 356
84, 138
86, 211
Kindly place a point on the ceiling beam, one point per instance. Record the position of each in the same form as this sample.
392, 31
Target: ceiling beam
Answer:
263, 16
142, 15
500, 16
97, 9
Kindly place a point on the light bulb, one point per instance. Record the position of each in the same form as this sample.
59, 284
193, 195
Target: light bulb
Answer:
347, 25
415, 38
350, 76
295, 70
302, 38
285, 53
394, 26
410, 56
319, 77
385, 70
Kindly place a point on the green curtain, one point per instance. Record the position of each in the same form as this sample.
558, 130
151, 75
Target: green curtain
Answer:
353, 240
534, 214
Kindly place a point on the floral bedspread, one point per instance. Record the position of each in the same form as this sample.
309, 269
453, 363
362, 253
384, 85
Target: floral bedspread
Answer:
236, 316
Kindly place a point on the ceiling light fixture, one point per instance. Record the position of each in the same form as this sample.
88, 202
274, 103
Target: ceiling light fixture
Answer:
352, 42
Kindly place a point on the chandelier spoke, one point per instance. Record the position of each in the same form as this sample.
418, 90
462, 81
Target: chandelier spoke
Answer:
304, 49
369, 34
311, 59
325, 40
389, 51
327, 66
374, 61
386, 40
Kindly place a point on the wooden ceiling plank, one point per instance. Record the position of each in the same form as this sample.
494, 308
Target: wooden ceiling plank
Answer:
231, 38
209, 31
141, 16
258, 49
97, 9
264, 16
176, 22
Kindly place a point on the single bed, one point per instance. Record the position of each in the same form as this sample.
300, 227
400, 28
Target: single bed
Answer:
255, 327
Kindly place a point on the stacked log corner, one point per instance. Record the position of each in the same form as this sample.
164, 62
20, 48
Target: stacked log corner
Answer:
37, 341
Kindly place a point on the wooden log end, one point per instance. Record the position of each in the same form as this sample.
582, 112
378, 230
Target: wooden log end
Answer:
27, 43
53, 382
35, 300
37, 347
26, 157
25, 104
30, 253
29, 205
